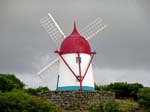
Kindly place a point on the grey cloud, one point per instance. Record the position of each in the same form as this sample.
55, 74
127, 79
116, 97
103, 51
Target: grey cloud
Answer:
123, 45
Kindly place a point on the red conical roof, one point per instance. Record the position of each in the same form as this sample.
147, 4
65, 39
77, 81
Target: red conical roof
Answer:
75, 43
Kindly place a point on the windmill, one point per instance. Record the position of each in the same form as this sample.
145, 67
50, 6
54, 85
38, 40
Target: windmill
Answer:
74, 49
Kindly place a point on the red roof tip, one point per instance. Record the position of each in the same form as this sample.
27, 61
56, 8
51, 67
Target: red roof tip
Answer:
74, 24
75, 31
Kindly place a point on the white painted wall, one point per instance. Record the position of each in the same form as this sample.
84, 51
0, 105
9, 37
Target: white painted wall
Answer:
66, 78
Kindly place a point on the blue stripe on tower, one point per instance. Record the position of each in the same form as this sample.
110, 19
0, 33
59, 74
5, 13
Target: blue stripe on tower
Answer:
75, 88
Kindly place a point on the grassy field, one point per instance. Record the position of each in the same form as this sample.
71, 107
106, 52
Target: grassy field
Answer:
126, 105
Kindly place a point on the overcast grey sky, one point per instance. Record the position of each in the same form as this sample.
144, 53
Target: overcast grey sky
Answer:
122, 48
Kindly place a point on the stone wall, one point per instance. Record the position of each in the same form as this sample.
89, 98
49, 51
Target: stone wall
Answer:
77, 100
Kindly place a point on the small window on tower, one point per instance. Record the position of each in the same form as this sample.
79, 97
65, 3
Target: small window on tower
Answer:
78, 59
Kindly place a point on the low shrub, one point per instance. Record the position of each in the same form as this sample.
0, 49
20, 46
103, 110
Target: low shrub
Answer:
8, 82
122, 90
36, 91
114, 106
144, 98
106, 106
19, 101
126, 105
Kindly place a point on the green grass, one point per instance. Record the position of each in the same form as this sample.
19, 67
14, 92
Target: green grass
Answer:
127, 105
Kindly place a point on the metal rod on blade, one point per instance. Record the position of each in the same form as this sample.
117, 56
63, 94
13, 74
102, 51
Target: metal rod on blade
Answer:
56, 24
92, 35
48, 66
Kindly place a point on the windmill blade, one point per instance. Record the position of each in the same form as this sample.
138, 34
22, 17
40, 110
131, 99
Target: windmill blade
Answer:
47, 66
48, 78
92, 29
53, 29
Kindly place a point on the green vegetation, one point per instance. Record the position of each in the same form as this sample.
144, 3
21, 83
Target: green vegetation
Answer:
8, 82
144, 98
126, 105
106, 106
114, 106
36, 91
135, 91
122, 89
19, 101
14, 98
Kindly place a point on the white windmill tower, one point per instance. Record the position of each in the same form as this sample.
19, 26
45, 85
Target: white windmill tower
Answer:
75, 56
